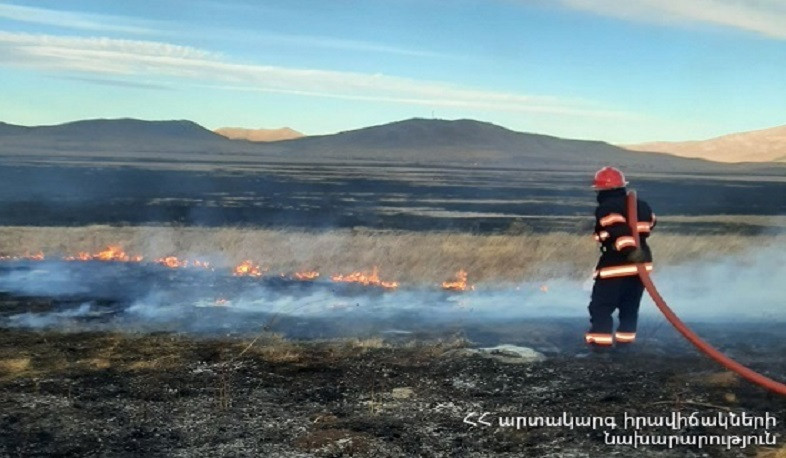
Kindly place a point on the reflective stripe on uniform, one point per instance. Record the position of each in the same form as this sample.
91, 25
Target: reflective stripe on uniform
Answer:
624, 241
612, 218
620, 271
644, 227
625, 337
598, 339
601, 236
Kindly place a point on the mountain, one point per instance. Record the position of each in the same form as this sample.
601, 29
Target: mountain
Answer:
754, 146
258, 135
469, 142
118, 129
117, 135
414, 141
11, 129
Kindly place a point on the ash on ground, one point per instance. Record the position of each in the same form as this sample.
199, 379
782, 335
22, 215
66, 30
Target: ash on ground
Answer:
111, 394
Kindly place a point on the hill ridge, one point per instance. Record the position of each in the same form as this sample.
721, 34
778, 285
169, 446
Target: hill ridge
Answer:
761, 145
464, 142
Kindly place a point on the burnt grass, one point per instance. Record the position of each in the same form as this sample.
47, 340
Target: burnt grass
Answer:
412, 197
109, 394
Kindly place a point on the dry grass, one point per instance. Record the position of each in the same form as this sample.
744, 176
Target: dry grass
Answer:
772, 452
282, 352
723, 379
364, 344
95, 363
161, 363
49, 354
53, 353
410, 257
430, 350
14, 366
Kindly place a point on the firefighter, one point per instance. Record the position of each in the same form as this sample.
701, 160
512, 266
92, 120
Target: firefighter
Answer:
617, 285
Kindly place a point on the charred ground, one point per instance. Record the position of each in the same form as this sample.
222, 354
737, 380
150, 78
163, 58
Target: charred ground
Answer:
380, 196
166, 395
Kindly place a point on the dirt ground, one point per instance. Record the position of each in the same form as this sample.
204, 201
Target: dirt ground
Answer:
106, 394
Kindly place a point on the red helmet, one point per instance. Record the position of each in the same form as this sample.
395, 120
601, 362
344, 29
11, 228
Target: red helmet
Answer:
608, 178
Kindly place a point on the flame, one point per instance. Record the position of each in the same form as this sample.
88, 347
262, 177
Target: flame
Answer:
366, 280
112, 253
459, 284
30, 257
202, 264
172, 262
247, 269
306, 276
81, 256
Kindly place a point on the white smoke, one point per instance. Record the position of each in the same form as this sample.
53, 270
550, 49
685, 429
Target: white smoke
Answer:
727, 289
748, 286
52, 319
41, 279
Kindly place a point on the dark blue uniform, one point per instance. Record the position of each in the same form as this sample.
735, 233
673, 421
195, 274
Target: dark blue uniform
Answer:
617, 284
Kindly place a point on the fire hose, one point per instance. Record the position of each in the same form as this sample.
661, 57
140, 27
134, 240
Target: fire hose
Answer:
704, 347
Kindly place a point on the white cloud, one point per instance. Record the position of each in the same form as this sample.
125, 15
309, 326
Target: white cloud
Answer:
134, 59
765, 17
72, 20
324, 42
121, 24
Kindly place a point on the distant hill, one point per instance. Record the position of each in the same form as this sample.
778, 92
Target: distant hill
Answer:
258, 135
754, 146
465, 141
116, 135
11, 129
118, 129
413, 141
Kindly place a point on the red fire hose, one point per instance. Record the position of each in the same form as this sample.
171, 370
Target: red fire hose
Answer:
706, 348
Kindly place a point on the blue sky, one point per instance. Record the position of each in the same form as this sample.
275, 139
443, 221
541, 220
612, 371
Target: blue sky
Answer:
616, 70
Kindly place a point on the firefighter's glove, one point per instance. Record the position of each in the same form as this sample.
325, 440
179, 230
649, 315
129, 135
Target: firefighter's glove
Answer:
637, 255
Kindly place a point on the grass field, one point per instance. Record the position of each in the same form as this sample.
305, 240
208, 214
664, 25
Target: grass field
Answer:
411, 257
65, 392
